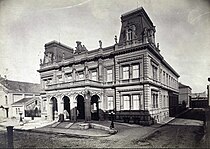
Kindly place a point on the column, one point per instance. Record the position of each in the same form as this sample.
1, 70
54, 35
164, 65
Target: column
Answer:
86, 71
87, 106
49, 112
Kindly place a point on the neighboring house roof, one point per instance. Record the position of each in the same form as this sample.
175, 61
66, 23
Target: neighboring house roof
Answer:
184, 86
24, 101
20, 87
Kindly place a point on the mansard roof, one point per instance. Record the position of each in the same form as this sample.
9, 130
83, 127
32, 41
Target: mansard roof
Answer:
139, 10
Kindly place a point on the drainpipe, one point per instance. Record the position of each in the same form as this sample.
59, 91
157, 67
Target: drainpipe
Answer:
115, 92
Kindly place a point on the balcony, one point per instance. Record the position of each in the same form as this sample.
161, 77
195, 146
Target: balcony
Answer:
72, 84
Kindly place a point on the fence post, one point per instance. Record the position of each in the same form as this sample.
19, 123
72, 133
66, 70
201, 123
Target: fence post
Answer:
10, 136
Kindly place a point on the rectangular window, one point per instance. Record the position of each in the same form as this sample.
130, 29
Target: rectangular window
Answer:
109, 75
6, 100
110, 103
60, 78
81, 76
126, 102
135, 69
136, 102
44, 105
154, 100
94, 75
68, 76
154, 72
164, 98
164, 77
125, 72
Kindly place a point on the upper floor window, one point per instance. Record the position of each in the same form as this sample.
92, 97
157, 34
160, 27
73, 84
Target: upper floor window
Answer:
109, 75
125, 72
60, 78
166, 79
6, 100
154, 72
94, 75
164, 76
129, 34
135, 69
68, 76
80, 75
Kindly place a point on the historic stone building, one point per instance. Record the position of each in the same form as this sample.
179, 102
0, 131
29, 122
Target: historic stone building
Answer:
130, 77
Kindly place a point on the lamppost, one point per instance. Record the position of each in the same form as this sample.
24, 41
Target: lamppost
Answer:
112, 120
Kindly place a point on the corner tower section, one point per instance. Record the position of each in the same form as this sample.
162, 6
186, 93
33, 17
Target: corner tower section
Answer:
136, 28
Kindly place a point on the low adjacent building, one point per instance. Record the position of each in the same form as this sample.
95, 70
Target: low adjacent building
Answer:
30, 107
184, 94
12, 92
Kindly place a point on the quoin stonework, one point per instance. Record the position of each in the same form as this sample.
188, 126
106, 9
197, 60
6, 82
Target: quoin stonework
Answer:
130, 78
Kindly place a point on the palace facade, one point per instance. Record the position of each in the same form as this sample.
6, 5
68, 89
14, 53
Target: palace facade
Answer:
130, 78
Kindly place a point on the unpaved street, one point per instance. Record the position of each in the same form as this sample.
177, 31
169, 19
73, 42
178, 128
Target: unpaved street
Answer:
166, 136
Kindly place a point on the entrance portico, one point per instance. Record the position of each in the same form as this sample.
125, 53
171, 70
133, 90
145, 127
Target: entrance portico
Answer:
82, 105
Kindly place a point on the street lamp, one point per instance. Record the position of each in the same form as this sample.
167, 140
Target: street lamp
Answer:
112, 120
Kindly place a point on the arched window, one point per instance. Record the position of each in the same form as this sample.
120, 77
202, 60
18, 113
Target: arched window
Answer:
129, 34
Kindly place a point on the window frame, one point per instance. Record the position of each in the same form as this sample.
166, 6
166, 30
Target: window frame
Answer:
125, 71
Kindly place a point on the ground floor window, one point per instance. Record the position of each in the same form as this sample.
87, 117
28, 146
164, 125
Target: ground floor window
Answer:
132, 102
110, 103
44, 105
125, 102
154, 100
137, 102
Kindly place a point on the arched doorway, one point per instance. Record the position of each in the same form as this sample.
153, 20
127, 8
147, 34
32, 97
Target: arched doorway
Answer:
54, 107
80, 107
94, 107
66, 112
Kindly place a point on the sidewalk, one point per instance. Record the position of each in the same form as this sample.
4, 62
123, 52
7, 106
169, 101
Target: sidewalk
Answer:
100, 129
26, 125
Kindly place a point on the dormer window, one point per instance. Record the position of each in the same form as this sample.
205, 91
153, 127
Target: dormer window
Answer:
129, 34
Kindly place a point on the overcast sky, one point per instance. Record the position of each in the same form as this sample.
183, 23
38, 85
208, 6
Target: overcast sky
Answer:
182, 29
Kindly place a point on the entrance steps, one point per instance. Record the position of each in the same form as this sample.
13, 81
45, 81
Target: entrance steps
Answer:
64, 125
55, 124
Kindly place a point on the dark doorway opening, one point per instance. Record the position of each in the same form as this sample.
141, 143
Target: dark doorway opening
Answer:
66, 107
94, 107
80, 107
54, 107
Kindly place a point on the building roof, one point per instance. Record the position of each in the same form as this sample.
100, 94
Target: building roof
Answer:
137, 10
24, 100
20, 87
184, 86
